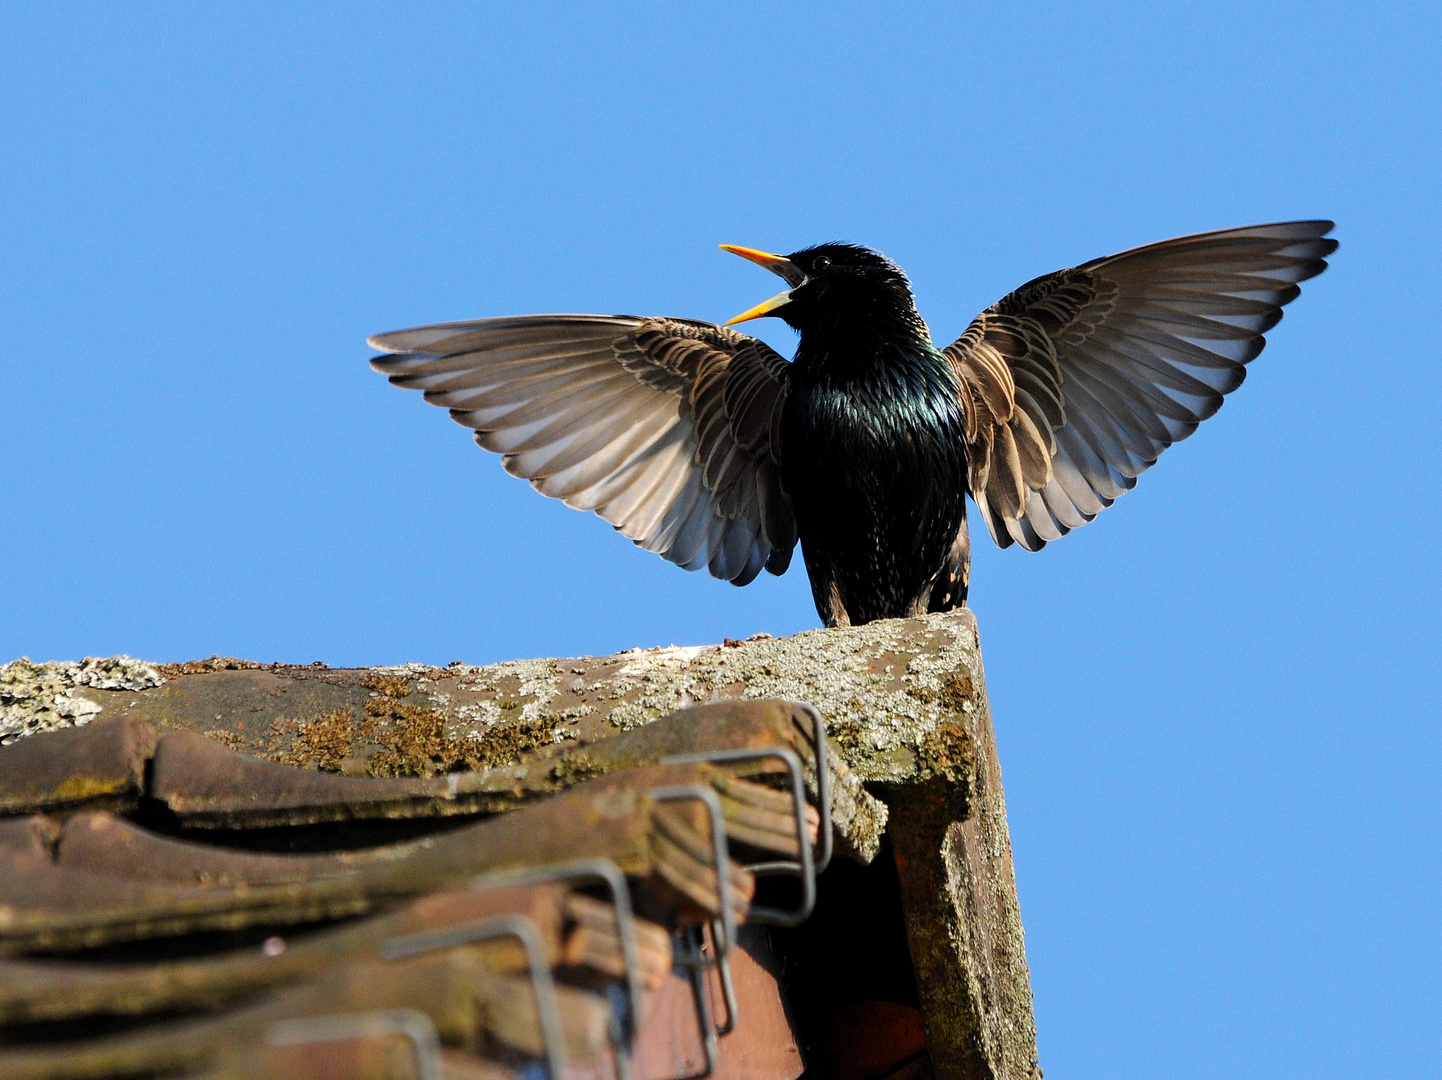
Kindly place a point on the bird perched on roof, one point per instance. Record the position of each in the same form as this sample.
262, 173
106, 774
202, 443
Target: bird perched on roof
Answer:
706, 446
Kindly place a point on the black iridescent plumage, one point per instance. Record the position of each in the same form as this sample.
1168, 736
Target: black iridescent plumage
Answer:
704, 445
873, 453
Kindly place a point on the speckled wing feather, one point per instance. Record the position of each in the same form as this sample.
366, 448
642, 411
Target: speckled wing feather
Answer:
666, 428
1074, 384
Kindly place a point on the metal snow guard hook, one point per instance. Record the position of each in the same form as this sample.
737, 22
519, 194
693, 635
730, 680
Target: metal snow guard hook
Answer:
606, 872
805, 869
823, 781
809, 866
712, 803
723, 933
524, 930
696, 966
598, 870
414, 1025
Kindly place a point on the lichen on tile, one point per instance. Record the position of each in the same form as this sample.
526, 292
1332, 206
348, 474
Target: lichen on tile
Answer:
41, 696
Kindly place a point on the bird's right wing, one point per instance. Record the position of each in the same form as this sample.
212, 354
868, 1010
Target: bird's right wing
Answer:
1075, 383
666, 428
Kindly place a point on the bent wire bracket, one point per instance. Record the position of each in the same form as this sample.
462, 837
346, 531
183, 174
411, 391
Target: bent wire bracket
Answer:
606, 872
823, 781
411, 1023
805, 870
723, 931
520, 928
712, 802
810, 865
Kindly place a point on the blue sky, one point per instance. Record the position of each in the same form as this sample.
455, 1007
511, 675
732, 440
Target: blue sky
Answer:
1217, 705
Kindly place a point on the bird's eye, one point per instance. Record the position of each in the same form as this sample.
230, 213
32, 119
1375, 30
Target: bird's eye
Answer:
821, 263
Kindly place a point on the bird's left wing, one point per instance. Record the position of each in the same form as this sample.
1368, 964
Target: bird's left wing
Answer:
666, 428
1075, 383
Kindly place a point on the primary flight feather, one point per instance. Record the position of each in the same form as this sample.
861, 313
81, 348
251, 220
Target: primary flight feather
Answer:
706, 446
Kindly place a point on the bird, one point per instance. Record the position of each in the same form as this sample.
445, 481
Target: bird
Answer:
706, 446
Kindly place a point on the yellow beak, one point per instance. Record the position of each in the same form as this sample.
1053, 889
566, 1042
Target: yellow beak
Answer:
766, 307
777, 264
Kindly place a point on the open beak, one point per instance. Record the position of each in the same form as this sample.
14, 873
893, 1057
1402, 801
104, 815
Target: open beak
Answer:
766, 307
777, 264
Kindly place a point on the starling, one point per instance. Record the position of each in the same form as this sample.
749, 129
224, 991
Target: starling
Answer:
709, 448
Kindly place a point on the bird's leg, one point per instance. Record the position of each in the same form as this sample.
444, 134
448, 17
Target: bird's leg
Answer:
827, 594
949, 589
825, 590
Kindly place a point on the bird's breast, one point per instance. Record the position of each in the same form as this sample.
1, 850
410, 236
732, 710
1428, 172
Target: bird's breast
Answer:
896, 404
877, 444
873, 461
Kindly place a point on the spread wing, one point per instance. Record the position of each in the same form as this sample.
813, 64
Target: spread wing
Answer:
1074, 384
666, 428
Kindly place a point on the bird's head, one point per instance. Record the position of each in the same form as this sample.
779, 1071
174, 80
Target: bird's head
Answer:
832, 286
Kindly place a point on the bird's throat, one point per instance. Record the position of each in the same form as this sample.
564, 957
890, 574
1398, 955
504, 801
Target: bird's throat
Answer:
860, 352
